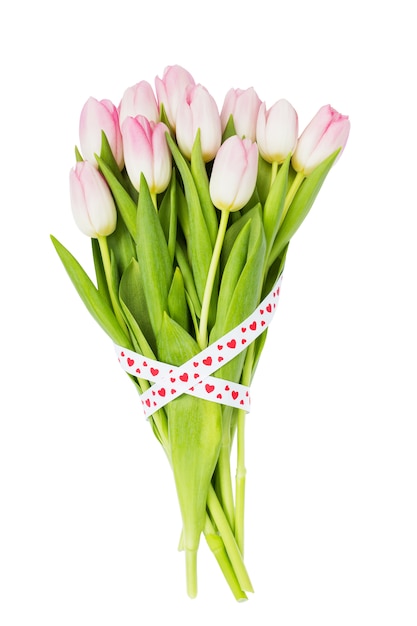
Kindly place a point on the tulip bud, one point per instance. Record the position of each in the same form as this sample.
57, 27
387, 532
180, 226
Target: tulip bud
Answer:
234, 173
97, 116
277, 131
139, 100
327, 131
198, 111
146, 152
91, 201
243, 105
170, 90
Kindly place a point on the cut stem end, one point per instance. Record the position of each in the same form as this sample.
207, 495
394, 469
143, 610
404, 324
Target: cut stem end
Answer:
191, 572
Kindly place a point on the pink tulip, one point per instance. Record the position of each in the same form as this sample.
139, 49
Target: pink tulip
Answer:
146, 152
327, 131
277, 131
91, 201
198, 111
139, 100
170, 90
97, 116
243, 105
234, 173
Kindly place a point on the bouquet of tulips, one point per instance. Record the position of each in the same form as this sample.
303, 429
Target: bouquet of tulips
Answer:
190, 210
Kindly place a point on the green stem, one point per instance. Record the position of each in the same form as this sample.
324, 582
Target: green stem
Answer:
240, 468
240, 481
291, 193
191, 572
216, 545
153, 197
224, 480
229, 540
105, 255
274, 172
203, 330
224, 548
160, 425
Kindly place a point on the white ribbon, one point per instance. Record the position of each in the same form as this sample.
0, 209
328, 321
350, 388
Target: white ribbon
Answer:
193, 377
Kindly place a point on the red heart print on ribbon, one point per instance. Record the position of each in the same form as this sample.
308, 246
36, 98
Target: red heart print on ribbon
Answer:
215, 389
193, 377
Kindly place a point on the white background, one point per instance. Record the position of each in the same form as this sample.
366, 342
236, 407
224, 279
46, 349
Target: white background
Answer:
89, 522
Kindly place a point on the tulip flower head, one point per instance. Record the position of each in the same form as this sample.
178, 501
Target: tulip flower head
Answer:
146, 152
233, 177
277, 131
97, 116
170, 90
92, 204
198, 111
139, 100
243, 105
327, 132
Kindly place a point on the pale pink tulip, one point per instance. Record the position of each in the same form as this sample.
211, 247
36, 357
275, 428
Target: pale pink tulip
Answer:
234, 173
170, 90
92, 204
243, 105
146, 152
97, 116
198, 111
327, 131
139, 100
277, 131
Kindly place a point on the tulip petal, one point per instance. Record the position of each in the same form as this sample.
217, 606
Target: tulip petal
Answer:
233, 177
92, 204
327, 131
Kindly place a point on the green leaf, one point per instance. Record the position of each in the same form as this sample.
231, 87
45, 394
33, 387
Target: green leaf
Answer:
177, 301
274, 203
229, 129
100, 274
107, 157
164, 118
168, 215
132, 296
233, 231
122, 246
114, 285
245, 266
231, 274
263, 181
188, 279
153, 257
198, 239
124, 202
139, 341
182, 213
78, 155
275, 271
301, 205
95, 303
199, 173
